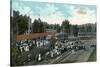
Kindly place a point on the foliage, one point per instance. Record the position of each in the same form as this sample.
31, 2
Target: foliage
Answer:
93, 56
20, 22
57, 27
75, 30
66, 26
38, 26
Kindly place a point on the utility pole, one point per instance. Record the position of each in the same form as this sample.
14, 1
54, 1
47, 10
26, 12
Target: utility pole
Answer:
29, 23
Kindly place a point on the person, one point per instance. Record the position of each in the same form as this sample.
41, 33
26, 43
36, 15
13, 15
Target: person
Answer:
39, 57
46, 55
27, 48
21, 48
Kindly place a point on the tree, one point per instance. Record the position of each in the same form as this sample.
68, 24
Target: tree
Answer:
46, 25
20, 22
89, 28
66, 26
57, 27
35, 26
82, 28
95, 27
75, 30
38, 26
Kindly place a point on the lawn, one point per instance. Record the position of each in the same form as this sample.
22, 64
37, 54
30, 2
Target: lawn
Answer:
93, 56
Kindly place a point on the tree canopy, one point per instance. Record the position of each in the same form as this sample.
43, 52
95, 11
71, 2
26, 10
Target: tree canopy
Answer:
66, 26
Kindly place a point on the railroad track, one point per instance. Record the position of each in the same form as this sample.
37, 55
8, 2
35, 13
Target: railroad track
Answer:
58, 59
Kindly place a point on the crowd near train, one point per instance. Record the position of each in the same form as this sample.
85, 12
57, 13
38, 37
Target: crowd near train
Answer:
52, 46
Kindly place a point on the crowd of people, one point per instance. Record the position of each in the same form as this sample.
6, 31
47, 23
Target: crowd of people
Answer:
59, 47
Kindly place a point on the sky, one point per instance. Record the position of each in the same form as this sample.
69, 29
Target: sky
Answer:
55, 13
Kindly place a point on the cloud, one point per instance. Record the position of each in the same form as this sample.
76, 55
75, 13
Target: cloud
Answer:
82, 16
21, 8
50, 14
47, 10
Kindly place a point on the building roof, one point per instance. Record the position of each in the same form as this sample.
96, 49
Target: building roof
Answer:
33, 36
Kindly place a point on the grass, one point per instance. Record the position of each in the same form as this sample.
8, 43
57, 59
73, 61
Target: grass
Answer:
92, 56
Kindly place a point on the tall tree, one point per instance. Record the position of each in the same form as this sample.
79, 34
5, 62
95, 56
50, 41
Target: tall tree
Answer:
66, 26
20, 22
89, 28
75, 30
82, 28
35, 26
57, 27
38, 26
